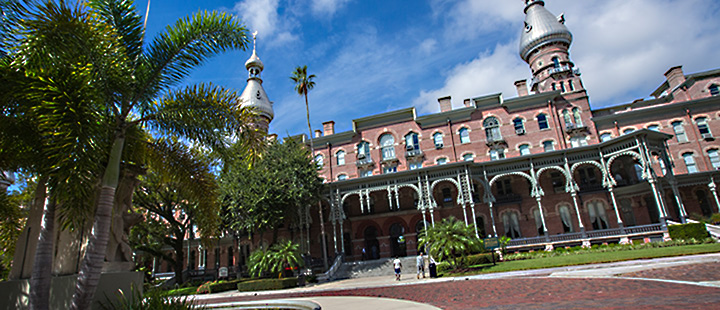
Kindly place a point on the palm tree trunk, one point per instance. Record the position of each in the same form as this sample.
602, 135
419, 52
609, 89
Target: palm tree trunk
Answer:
307, 112
42, 266
92, 264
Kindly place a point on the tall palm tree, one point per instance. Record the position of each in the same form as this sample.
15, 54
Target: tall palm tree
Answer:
130, 85
303, 84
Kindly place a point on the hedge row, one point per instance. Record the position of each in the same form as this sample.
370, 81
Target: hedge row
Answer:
470, 260
688, 231
224, 286
267, 284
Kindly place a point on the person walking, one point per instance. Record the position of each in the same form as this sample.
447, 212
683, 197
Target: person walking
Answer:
397, 265
420, 261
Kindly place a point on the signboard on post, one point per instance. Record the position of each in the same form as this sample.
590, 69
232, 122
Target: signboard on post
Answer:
491, 243
223, 272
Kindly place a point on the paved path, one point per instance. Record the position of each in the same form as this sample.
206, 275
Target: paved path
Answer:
691, 282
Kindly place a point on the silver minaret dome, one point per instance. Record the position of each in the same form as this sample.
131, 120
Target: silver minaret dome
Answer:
254, 95
541, 28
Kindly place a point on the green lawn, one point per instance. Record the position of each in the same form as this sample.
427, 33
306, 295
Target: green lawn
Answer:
592, 258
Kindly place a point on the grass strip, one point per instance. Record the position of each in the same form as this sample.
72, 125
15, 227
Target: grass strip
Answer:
591, 258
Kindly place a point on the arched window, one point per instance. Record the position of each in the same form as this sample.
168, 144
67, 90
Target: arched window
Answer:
363, 150
492, 129
342, 177
703, 128
542, 121
566, 219
629, 130
539, 222
679, 130
556, 62
438, 139
511, 225
319, 161
566, 117
690, 162
447, 195
441, 161
598, 217
714, 158
576, 116
340, 155
548, 146
605, 137
411, 142
387, 144
654, 127
524, 149
714, 90
519, 126
468, 157
464, 135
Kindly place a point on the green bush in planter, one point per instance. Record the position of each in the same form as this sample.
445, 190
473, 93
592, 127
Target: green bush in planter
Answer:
267, 284
688, 231
223, 286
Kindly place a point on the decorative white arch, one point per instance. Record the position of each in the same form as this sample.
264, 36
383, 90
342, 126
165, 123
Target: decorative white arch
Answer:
522, 174
626, 153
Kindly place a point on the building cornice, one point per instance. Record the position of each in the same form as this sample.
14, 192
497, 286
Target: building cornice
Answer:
387, 118
655, 110
689, 80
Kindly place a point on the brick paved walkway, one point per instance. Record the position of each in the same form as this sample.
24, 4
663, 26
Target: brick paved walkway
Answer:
551, 293
694, 273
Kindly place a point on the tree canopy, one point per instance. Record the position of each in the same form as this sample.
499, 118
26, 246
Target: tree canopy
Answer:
268, 194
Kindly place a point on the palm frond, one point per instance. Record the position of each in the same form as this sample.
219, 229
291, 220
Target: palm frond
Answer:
185, 46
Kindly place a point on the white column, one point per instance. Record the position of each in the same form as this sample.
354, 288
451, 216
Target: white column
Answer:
542, 214
472, 208
577, 210
713, 189
342, 237
678, 200
658, 200
492, 219
615, 207
334, 225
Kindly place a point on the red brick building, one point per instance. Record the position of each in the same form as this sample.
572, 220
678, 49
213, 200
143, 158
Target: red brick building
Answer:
542, 168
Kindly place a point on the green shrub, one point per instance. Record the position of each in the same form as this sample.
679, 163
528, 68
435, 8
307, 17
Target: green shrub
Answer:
442, 267
715, 219
267, 284
688, 231
223, 286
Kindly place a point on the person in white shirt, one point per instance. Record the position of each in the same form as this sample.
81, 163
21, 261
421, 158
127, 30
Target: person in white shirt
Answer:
397, 264
420, 261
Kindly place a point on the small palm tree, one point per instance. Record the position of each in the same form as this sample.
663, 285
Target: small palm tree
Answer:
449, 240
303, 84
275, 259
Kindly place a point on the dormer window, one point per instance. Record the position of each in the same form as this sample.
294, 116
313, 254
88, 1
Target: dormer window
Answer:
714, 90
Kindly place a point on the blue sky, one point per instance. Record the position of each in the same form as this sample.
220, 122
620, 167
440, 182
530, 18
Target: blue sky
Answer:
375, 56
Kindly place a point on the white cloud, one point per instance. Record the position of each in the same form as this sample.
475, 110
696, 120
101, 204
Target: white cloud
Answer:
428, 46
490, 72
327, 7
262, 16
622, 47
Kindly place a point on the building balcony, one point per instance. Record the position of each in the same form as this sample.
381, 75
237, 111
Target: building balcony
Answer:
493, 141
508, 199
572, 128
590, 188
562, 69
389, 160
364, 161
414, 153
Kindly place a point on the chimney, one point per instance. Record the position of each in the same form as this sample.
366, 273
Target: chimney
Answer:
521, 86
467, 103
328, 128
318, 133
445, 104
675, 77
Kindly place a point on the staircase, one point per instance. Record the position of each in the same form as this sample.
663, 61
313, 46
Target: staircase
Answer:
375, 268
